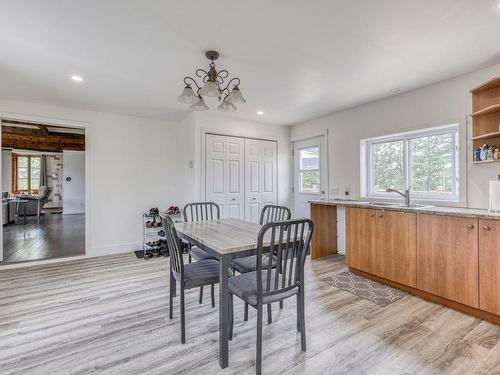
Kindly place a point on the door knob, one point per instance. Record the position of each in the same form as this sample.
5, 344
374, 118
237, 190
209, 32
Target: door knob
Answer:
322, 192
233, 199
469, 226
487, 227
254, 198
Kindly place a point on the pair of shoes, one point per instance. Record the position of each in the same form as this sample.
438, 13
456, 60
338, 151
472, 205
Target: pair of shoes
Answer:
172, 210
154, 211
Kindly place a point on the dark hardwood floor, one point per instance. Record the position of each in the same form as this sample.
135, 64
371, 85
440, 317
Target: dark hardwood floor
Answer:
53, 236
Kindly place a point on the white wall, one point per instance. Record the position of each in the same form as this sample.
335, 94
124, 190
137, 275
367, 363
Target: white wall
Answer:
191, 139
130, 166
439, 104
73, 190
7, 171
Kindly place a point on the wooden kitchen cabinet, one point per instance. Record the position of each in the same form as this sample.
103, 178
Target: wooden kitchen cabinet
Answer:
396, 242
489, 266
447, 257
360, 240
382, 243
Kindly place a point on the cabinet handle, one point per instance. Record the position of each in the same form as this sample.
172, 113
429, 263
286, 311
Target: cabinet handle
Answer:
380, 216
487, 227
372, 215
469, 226
233, 199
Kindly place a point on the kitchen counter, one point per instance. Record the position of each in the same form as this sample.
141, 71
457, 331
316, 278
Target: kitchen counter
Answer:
437, 210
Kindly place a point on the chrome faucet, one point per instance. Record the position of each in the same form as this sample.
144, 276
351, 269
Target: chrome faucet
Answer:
406, 194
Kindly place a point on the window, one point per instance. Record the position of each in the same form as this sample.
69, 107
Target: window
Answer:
26, 173
425, 160
309, 179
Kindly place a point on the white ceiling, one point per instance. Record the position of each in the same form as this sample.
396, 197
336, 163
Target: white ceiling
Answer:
297, 59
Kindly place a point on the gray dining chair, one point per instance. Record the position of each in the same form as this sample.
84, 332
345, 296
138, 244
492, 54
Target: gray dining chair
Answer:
269, 213
200, 211
191, 275
288, 241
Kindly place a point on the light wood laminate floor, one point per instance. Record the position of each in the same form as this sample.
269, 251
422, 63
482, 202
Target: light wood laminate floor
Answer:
51, 236
109, 315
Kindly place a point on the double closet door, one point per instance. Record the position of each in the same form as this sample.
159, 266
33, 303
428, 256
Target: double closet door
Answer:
240, 175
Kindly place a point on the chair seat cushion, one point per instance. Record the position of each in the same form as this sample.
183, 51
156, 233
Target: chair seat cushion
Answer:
245, 287
202, 272
249, 264
200, 254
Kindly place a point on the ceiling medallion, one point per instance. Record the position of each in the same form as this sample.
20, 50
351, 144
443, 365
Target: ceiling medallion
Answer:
212, 85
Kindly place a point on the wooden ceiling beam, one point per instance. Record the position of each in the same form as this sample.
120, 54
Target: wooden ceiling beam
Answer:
37, 140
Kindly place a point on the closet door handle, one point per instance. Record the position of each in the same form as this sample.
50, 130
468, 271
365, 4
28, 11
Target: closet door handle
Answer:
469, 226
487, 227
254, 199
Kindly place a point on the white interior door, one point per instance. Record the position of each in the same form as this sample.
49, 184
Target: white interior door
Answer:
260, 176
310, 174
235, 187
225, 177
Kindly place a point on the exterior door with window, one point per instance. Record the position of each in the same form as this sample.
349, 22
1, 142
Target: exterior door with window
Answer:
310, 174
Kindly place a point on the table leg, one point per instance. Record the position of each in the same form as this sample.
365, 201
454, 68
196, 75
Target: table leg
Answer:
223, 313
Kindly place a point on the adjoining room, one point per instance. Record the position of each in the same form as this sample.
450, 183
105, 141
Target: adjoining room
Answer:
43, 191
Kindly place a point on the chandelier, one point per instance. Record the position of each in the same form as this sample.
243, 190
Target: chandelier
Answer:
212, 85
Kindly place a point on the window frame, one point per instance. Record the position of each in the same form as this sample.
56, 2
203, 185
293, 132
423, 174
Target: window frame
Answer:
15, 187
405, 138
300, 170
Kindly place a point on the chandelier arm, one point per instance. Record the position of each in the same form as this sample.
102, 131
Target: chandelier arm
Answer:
232, 81
201, 73
187, 81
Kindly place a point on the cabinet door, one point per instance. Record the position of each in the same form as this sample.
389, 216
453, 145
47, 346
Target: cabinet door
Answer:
361, 252
396, 241
447, 257
489, 266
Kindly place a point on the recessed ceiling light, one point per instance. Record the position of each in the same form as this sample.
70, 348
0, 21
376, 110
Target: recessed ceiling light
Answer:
260, 113
76, 78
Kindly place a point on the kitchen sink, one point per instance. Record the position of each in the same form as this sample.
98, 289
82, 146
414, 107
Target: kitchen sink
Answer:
398, 205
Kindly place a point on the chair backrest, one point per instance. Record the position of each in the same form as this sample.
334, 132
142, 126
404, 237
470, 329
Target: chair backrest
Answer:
288, 241
272, 212
201, 211
176, 259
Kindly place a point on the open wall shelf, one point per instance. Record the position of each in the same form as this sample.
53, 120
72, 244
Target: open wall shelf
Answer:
486, 116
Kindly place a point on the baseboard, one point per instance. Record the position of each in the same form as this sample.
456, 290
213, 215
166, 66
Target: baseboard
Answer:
481, 314
113, 249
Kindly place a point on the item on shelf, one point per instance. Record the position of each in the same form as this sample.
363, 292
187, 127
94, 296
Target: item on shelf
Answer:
496, 154
172, 210
477, 154
161, 233
154, 211
154, 223
149, 224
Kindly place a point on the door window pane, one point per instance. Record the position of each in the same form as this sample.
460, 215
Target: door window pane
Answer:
309, 181
387, 164
432, 164
309, 158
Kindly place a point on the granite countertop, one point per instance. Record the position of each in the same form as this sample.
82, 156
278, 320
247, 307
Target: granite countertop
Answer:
437, 210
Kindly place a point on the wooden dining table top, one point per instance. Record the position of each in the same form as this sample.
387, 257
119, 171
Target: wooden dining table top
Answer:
224, 236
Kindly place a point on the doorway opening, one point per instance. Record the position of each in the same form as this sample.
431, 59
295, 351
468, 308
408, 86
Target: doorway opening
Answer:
43, 191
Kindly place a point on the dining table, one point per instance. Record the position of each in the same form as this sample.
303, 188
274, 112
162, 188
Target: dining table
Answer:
225, 239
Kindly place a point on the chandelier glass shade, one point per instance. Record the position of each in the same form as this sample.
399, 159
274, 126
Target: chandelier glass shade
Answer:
214, 84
